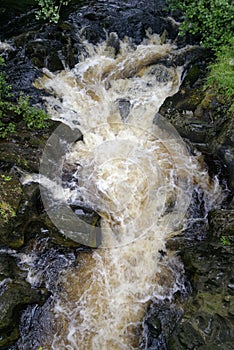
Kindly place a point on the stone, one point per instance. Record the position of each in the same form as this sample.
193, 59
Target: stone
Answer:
14, 297
10, 198
15, 294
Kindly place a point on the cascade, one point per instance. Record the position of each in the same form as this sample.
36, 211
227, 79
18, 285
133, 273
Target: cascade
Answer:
135, 171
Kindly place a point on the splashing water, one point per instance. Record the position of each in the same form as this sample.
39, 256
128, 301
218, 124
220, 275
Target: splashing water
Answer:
134, 170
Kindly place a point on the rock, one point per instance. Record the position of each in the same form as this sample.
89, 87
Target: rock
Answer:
204, 118
8, 266
10, 197
21, 74
186, 337
124, 107
14, 297
36, 325
15, 294
113, 43
223, 147
159, 324
221, 222
131, 18
207, 319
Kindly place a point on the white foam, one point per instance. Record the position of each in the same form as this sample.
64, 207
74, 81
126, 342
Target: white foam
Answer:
137, 175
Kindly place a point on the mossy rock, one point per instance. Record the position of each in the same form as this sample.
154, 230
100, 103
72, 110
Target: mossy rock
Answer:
8, 268
10, 198
209, 310
221, 222
20, 155
223, 147
186, 337
14, 297
192, 75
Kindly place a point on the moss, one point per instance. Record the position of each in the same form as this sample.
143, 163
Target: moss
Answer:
214, 303
10, 198
192, 75
6, 212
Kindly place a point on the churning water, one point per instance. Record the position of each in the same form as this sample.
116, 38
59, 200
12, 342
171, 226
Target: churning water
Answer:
132, 168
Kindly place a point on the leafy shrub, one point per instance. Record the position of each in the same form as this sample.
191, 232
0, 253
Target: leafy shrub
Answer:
33, 117
49, 9
213, 20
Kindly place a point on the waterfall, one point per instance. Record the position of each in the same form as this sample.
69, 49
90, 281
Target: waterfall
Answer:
134, 170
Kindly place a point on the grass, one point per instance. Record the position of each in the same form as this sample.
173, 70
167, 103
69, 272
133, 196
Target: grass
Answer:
221, 74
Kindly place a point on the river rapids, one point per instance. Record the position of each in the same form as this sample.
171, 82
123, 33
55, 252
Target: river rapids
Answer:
135, 171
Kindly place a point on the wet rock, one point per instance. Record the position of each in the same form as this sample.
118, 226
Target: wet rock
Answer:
15, 294
223, 147
158, 325
42, 226
21, 74
203, 118
36, 325
56, 46
113, 43
131, 18
14, 297
18, 154
59, 46
197, 114
124, 107
24, 151
181, 109
185, 337
221, 222
207, 319
18, 17
188, 57
8, 266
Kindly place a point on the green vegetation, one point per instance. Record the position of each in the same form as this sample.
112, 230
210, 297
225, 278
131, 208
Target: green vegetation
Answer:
50, 9
34, 118
10, 194
6, 177
225, 241
12, 109
213, 20
221, 74
6, 212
